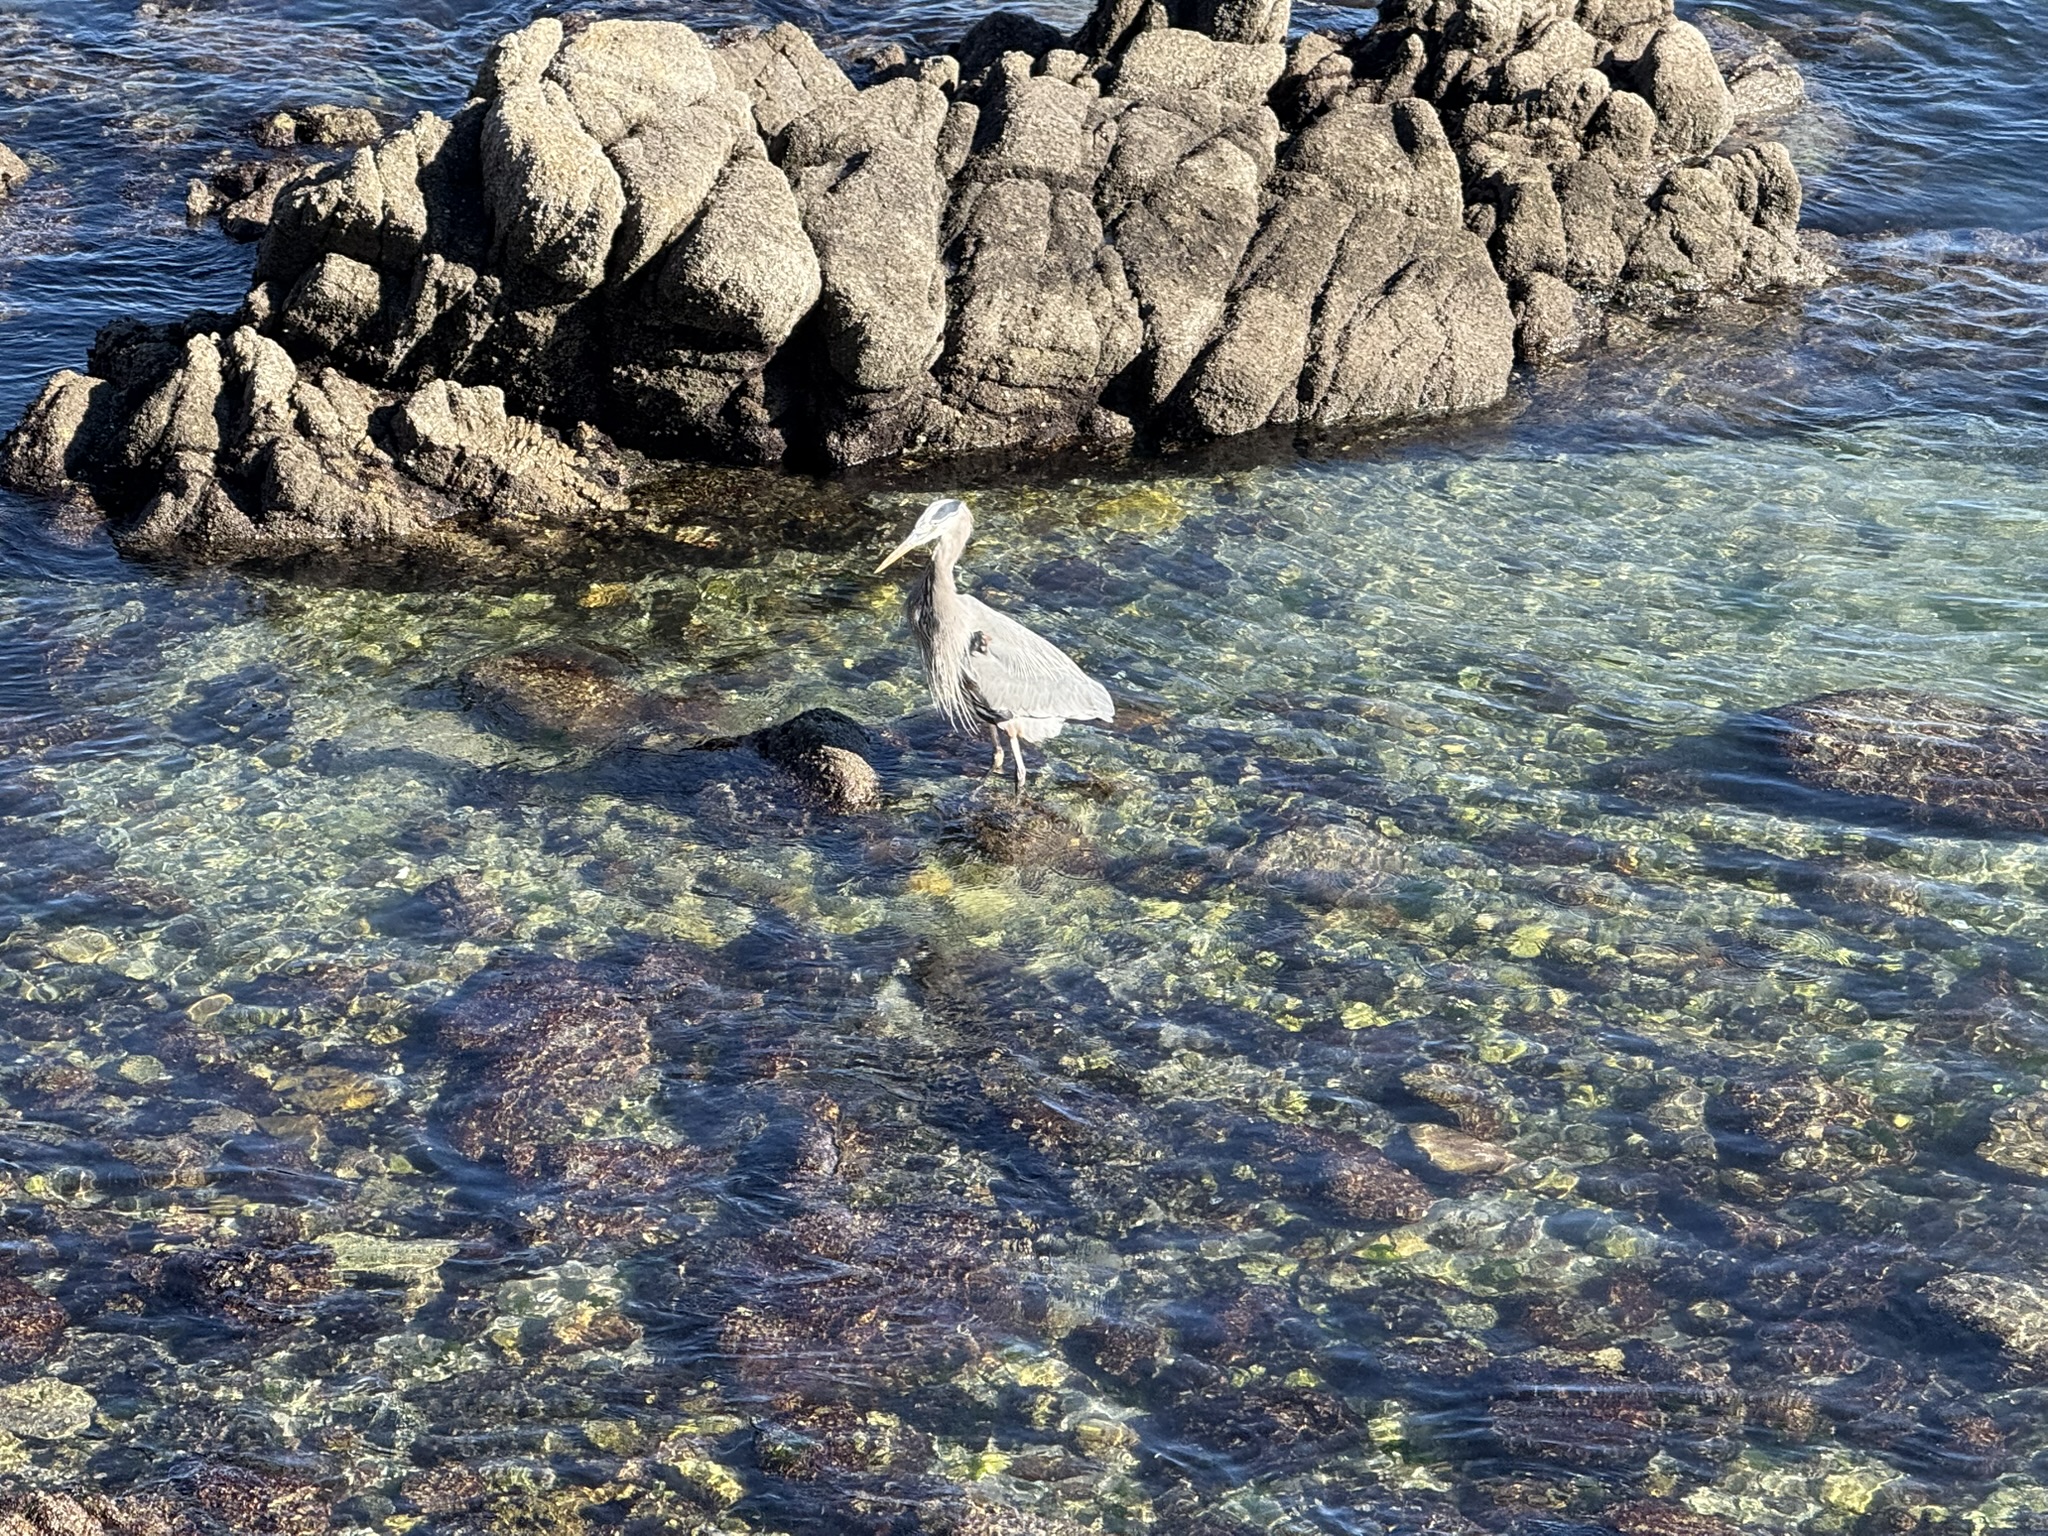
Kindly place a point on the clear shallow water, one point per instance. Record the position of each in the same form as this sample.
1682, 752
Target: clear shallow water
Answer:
933, 1170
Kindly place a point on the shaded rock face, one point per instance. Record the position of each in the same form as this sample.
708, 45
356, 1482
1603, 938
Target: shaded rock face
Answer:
1971, 765
1168, 224
203, 440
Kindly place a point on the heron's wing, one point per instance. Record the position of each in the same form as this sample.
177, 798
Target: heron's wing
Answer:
1022, 675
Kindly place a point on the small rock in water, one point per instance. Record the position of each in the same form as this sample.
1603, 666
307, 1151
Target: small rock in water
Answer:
13, 172
328, 125
827, 754
1975, 765
243, 195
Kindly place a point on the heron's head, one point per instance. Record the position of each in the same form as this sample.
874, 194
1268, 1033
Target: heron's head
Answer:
932, 524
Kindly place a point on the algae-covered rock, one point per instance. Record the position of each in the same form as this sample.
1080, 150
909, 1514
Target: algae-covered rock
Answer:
538, 1051
47, 1409
557, 692
31, 1324
1979, 766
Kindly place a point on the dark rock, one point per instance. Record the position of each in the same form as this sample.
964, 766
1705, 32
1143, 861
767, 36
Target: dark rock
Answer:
827, 755
243, 196
13, 172
1947, 760
1169, 224
254, 1286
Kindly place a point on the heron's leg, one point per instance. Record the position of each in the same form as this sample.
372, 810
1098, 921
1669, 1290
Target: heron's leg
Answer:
996, 737
1017, 752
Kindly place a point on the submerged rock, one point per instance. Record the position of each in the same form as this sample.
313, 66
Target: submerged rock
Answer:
51, 1512
45, 1408
2011, 1311
562, 692
31, 1325
1972, 765
539, 1051
2019, 1137
1169, 224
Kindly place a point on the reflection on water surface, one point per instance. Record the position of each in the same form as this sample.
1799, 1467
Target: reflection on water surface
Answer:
1424, 1069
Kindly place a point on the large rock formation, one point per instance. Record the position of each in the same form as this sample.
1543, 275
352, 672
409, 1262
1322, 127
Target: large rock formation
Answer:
1170, 224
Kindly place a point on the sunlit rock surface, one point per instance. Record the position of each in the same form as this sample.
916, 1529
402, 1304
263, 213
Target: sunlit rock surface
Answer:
1171, 226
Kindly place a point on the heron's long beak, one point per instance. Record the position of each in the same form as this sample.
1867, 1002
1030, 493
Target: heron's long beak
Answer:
897, 554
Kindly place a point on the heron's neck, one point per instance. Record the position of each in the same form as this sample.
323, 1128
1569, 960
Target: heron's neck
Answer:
946, 554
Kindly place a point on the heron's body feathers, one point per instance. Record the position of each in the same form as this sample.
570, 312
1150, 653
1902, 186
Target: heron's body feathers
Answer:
1014, 673
988, 671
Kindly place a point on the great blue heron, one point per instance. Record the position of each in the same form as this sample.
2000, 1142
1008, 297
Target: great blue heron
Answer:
987, 671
